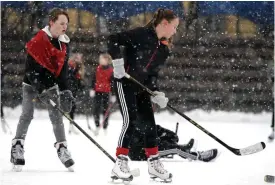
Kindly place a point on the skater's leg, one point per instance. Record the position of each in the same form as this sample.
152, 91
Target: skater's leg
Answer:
17, 149
272, 122
56, 116
72, 128
58, 128
105, 105
29, 94
72, 111
145, 111
3, 121
127, 104
2, 112
147, 120
97, 106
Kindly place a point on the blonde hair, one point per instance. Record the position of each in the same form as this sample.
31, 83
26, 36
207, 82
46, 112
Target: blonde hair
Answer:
107, 57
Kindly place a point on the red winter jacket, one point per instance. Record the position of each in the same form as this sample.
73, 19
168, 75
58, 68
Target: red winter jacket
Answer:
102, 81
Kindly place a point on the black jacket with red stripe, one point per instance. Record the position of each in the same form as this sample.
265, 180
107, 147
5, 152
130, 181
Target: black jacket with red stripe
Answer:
144, 54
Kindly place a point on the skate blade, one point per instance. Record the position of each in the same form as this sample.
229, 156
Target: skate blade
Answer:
17, 168
117, 180
157, 179
71, 168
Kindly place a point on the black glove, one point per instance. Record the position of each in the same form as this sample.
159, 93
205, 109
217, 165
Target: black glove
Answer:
66, 100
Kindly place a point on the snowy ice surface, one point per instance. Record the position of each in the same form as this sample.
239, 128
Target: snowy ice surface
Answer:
93, 167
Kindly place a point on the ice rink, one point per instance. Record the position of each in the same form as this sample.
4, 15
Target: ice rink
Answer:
94, 168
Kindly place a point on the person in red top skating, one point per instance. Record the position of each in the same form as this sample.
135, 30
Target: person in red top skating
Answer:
102, 84
76, 72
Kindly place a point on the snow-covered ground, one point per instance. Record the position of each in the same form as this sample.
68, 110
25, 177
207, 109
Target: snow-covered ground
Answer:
93, 167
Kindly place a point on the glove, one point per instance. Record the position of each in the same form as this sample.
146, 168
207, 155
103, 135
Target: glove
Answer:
113, 99
119, 71
47, 94
66, 100
159, 99
92, 93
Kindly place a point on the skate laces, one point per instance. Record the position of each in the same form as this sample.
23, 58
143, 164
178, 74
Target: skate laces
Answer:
123, 165
158, 166
64, 155
18, 151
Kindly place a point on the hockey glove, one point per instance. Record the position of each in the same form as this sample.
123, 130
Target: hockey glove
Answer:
51, 93
119, 71
113, 99
159, 99
92, 93
66, 100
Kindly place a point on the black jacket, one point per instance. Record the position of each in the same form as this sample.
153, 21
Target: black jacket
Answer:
40, 78
143, 53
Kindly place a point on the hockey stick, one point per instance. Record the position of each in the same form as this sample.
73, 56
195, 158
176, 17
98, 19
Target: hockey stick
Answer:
240, 152
178, 152
134, 172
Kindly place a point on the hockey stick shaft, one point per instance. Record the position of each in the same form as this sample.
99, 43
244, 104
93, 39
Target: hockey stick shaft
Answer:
82, 131
248, 150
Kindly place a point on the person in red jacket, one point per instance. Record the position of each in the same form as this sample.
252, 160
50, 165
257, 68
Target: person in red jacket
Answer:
102, 84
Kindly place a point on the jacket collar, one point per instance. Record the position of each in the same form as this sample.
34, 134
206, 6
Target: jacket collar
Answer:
63, 38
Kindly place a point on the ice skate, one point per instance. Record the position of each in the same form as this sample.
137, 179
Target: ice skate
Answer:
72, 130
121, 170
156, 169
207, 155
64, 155
17, 154
191, 145
271, 136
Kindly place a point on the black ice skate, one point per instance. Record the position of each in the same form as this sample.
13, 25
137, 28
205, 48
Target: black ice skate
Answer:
64, 155
17, 154
187, 147
208, 155
156, 169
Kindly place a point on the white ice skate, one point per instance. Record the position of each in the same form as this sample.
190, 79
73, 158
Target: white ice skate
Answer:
156, 169
17, 154
64, 155
121, 170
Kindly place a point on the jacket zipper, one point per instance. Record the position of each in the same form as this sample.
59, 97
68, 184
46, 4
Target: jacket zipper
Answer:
152, 57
